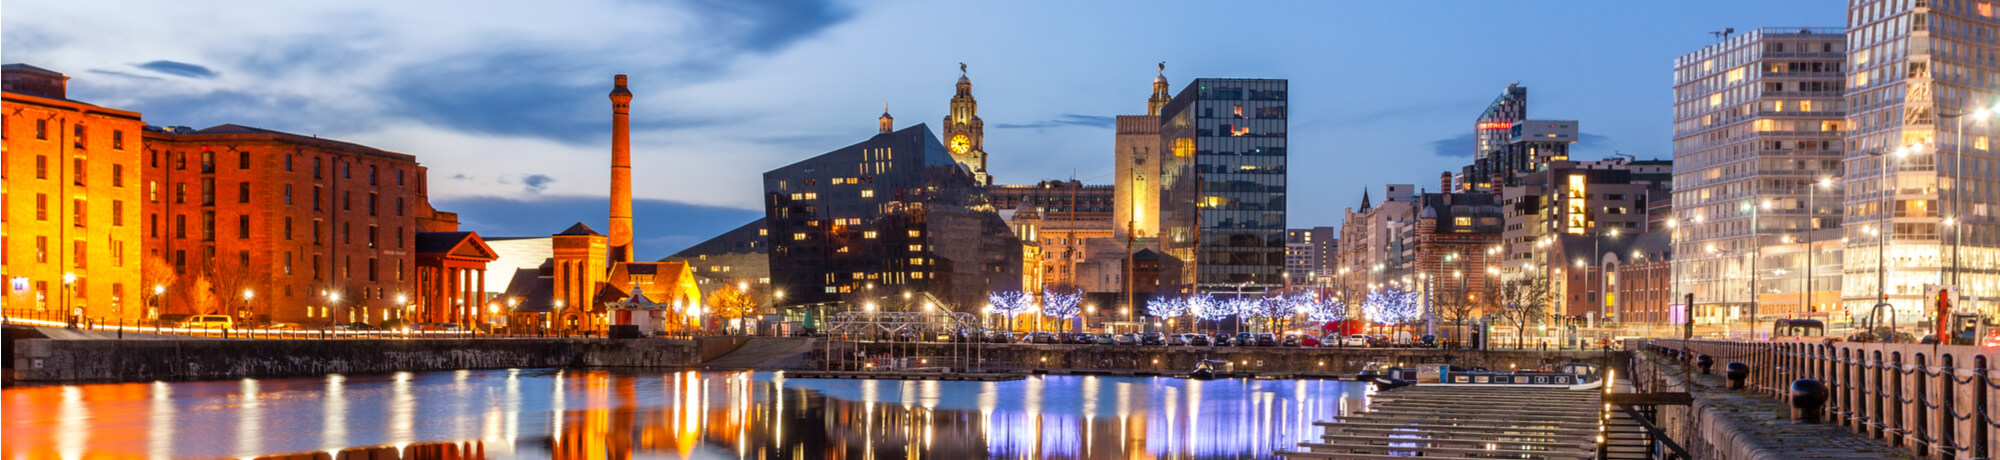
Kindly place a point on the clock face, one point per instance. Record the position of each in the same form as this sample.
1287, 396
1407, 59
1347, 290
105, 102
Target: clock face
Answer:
959, 144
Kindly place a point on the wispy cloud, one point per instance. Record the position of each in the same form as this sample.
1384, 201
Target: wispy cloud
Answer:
1067, 119
1455, 146
536, 183
179, 69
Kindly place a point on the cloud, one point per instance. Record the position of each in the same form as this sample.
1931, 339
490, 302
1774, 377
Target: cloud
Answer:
179, 69
1067, 119
535, 183
115, 73
660, 227
1455, 146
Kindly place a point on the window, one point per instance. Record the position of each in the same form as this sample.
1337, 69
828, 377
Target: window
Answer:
41, 129
347, 201
316, 200
399, 238
288, 193
371, 269
915, 233
288, 228
117, 175
868, 234
242, 192
870, 193
346, 233
399, 206
798, 236
77, 213
371, 203
77, 169
117, 213
208, 225
243, 160
180, 226
180, 161
288, 263
180, 261
288, 163
399, 177
207, 162
41, 166
371, 175
41, 249
316, 165
117, 253
153, 225
207, 191
372, 235
42, 207
81, 134
180, 192
78, 252
316, 233
1714, 99
243, 227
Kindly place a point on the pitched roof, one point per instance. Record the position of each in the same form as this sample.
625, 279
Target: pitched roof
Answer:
536, 292
579, 229
19, 66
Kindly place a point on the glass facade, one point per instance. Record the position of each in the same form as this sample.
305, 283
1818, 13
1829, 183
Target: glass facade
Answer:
886, 216
1757, 119
1223, 183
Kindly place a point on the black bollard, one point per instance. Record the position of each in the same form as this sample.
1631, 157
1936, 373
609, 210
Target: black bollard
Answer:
1738, 372
1808, 400
1704, 362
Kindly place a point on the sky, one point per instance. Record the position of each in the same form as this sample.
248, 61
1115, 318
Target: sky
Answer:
505, 101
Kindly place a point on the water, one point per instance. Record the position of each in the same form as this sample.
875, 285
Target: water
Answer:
548, 413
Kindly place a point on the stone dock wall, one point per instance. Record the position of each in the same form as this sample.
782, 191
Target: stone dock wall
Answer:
1245, 359
1742, 424
51, 360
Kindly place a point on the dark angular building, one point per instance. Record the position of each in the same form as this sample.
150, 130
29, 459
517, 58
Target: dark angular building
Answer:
889, 215
1222, 195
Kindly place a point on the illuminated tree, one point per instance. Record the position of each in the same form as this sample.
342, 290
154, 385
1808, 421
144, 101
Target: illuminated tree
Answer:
1009, 303
1167, 307
1525, 302
1393, 305
154, 270
1062, 303
1326, 310
729, 304
1272, 309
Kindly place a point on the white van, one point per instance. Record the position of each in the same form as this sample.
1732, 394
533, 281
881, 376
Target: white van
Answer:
209, 322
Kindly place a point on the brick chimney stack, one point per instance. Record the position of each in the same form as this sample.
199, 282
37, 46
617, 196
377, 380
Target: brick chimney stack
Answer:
621, 173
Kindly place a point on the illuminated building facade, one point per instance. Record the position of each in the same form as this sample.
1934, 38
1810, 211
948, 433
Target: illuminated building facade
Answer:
70, 233
320, 230
964, 132
1758, 120
1917, 74
1138, 169
1222, 196
1372, 247
895, 213
1064, 219
1566, 216
1491, 133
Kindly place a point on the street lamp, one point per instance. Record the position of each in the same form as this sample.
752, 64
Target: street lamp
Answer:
247, 295
69, 290
159, 291
333, 300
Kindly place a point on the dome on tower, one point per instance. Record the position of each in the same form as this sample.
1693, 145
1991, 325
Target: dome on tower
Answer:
963, 80
1160, 80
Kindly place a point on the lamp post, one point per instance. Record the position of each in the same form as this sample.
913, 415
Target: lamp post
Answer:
247, 295
69, 290
333, 300
1812, 225
1957, 194
159, 302
1756, 252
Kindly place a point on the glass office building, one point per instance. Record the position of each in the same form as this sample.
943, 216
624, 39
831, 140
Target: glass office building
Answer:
1222, 195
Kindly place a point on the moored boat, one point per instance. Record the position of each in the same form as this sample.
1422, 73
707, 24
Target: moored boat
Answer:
1571, 376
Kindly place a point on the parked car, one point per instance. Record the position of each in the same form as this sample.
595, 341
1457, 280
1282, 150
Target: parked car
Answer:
1267, 340
1357, 340
209, 322
1244, 339
1176, 340
1299, 340
1152, 338
1223, 339
1125, 339
999, 337
1106, 339
1200, 340
1078, 338
1041, 337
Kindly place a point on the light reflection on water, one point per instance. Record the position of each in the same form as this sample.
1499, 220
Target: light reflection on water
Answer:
545, 413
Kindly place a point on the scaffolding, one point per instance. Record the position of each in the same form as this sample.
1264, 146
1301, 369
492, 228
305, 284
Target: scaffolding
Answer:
926, 326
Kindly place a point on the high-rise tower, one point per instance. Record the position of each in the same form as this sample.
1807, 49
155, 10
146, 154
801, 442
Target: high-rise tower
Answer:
964, 133
621, 172
1160, 94
1138, 166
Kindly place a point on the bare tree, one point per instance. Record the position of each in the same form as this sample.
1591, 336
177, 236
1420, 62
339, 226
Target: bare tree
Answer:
155, 271
1526, 302
1455, 308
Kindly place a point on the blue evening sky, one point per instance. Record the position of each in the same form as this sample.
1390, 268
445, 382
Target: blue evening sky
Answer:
504, 101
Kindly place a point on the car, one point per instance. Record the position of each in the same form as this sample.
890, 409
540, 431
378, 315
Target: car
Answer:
1266, 340
1223, 339
999, 337
1176, 340
1307, 340
352, 327
1106, 339
1075, 338
1041, 337
1356, 340
1200, 340
209, 322
1152, 338
1125, 339
1244, 339
1291, 340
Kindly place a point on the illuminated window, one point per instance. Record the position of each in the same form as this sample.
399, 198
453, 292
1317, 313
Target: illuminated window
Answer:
914, 233
798, 196
1764, 125
1778, 106
1714, 99
1860, 79
1829, 126
868, 193
1461, 221
1734, 75
798, 236
1979, 142
1804, 106
916, 247
868, 234
812, 196
763, 232
1708, 65
1860, 58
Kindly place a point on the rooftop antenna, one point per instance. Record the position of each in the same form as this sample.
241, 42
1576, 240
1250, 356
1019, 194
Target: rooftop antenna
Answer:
1724, 34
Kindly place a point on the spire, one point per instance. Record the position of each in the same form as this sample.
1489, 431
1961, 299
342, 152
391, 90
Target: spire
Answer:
888, 122
1160, 98
1365, 207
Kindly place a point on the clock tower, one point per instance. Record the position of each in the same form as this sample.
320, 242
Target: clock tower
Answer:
964, 133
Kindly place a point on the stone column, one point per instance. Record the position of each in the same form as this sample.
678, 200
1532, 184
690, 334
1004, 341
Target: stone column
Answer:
481, 273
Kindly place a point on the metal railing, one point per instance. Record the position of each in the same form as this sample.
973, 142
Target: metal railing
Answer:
1930, 399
